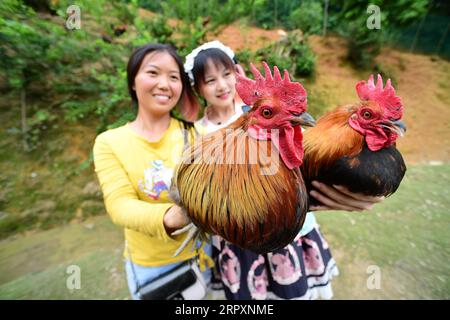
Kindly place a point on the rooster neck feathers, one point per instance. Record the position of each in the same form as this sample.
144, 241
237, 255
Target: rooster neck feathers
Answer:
331, 139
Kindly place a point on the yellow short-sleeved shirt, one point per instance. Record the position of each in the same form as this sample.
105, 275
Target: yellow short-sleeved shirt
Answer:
135, 177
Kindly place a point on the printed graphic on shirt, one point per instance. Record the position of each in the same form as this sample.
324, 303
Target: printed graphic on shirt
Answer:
157, 179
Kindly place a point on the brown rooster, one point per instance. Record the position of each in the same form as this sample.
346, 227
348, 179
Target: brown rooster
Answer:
354, 145
232, 182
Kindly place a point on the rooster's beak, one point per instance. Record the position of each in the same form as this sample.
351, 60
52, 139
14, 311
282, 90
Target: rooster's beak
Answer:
398, 127
304, 119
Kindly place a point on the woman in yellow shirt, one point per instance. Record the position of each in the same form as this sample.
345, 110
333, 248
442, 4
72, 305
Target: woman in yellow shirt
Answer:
134, 164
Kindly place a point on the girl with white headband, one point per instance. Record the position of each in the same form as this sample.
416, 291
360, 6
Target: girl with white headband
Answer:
211, 69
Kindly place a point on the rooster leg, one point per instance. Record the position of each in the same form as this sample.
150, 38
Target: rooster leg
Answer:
193, 233
183, 230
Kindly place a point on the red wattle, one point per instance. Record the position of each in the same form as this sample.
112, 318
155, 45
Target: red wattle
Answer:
291, 147
375, 138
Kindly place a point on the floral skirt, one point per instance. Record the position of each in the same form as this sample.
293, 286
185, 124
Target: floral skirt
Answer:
301, 270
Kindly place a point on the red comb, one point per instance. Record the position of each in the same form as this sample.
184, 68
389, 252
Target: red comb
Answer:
291, 95
386, 98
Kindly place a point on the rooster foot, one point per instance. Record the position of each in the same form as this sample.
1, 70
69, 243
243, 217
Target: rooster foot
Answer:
193, 233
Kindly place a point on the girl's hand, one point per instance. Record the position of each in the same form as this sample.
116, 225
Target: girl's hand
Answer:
339, 198
175, 219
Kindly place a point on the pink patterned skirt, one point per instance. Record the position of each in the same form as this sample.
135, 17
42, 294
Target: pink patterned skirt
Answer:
301, 270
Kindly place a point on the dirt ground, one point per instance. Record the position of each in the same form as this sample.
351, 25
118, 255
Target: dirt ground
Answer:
240, 36
422, 81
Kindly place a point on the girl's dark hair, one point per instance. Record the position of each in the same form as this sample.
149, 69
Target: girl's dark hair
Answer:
188, 103
217, 56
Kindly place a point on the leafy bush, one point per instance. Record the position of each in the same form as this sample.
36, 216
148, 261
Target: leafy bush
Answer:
363, 44
244, 57
291, 53
273, 13
308, 17
190, 36
189, 11
160, 30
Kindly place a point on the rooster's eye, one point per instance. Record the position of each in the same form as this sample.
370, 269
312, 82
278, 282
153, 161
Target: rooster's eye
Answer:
367, 115
266, 113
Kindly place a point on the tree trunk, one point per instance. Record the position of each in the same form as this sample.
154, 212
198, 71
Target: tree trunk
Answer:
325, 18
441, 42
23, 112
275, 22
253, 12
419, 29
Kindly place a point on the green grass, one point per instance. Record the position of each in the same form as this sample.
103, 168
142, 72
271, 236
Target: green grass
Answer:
44, 188
406, 237
35, 266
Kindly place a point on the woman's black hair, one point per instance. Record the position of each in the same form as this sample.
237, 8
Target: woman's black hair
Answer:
217, 56
189, 103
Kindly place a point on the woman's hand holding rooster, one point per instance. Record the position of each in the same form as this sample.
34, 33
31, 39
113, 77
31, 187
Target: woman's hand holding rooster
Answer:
175, 219
339, 198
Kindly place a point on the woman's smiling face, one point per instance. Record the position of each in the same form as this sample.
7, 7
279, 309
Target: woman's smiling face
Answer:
158, 83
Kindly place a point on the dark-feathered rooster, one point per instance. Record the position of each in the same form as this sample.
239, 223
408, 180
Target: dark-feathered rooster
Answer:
354, 145
243, 182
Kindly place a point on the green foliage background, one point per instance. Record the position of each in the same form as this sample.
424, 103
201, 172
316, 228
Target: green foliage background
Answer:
61, 78
85, 68
61, 83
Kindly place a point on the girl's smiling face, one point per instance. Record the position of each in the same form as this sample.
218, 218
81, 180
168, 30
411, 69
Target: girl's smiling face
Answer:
218, 89
158, 83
